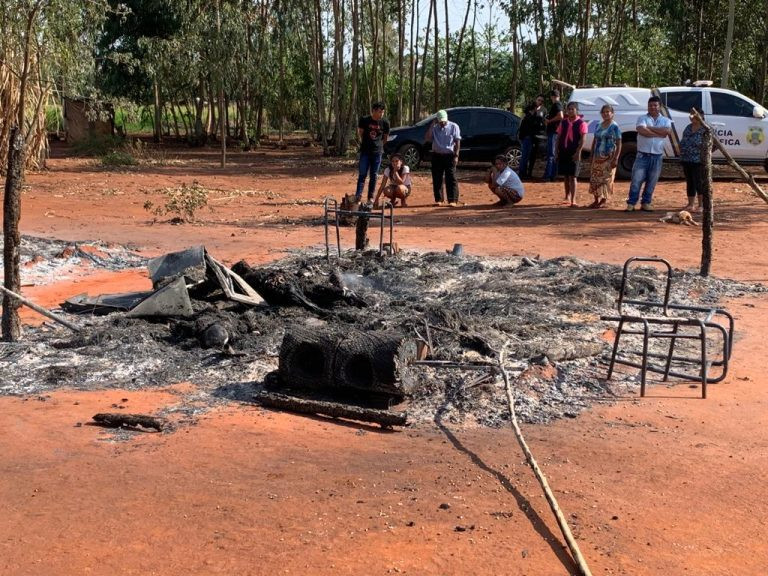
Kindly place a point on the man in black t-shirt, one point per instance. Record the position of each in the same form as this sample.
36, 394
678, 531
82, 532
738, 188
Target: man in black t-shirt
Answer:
373, 131
554, 117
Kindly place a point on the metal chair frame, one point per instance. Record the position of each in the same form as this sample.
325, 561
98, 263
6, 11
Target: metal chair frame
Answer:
676, 322
331, 206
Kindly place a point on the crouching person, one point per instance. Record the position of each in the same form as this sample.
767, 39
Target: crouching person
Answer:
396, 182
504, 182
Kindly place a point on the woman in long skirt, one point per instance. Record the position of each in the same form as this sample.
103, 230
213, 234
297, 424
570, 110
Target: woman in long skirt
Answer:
606, 147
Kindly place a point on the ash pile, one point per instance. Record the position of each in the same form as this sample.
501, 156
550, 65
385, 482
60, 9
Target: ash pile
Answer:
442, 318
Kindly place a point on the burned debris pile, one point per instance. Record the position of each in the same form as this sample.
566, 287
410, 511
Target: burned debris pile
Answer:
430, 325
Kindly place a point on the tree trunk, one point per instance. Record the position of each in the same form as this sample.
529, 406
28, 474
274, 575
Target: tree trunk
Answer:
436, 63
707, 224
158, 136
447, 97
457, 59
398, 118
420, 93
728, 45
222, 103
14, 180
513, 26
584, 40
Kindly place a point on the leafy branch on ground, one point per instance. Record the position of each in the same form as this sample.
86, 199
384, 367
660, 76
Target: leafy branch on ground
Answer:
182, 202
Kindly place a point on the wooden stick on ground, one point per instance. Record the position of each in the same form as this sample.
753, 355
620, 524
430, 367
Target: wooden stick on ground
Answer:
561, 521
118, 419
40, 309
384, 418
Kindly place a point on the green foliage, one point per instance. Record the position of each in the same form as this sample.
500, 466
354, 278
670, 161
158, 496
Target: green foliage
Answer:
183, 202
53, 119
118, 157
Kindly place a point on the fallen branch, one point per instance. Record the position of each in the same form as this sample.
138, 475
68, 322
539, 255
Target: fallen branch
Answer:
561, 521
40, 309
118, 420
385, 418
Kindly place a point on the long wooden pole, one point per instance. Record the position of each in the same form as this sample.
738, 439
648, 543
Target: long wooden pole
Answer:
707, 228
561, 521
37, 308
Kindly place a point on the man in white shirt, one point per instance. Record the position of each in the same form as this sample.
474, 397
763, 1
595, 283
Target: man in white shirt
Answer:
652, 131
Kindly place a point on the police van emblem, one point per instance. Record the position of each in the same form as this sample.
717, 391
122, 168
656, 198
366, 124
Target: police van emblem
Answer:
755, 135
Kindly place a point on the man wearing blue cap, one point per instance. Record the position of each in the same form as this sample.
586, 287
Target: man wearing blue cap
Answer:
446, 142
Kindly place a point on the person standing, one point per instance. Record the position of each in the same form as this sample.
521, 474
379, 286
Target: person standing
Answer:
652, 131
554, 117
606, 148
445, 137
690, 158
372, 130
530, 131
570, 142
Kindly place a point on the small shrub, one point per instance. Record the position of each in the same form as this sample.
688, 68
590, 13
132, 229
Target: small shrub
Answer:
118, 158
183, 201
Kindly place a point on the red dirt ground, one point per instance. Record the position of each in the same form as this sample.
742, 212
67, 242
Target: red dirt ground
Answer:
670, 484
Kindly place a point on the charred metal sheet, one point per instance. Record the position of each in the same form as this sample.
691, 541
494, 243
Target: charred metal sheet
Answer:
104, 303
171, 300
233, 285
189, 263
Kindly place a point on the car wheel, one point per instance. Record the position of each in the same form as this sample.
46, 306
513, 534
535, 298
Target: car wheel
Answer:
411, 155
513, 154
626, 160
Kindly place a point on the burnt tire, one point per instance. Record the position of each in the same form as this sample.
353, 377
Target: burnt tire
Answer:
513, 155
411, 155
626, 160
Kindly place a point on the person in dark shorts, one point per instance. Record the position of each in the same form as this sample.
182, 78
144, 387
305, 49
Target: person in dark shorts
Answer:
570, 141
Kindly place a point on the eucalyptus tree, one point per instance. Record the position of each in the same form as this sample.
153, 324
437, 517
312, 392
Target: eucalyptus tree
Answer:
45, 45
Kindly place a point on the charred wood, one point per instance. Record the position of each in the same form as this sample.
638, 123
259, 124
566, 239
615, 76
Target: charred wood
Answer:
118, 420
339, 358
277, 288
385, 418
361, 227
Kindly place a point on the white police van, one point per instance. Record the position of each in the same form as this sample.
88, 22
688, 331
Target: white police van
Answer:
741, 124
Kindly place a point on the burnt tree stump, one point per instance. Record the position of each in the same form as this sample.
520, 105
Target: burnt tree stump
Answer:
306, 357
347, 361
361, 227
14, 180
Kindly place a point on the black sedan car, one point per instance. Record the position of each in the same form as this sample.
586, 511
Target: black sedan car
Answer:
485, 133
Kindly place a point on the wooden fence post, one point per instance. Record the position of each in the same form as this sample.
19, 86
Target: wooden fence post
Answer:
707, 224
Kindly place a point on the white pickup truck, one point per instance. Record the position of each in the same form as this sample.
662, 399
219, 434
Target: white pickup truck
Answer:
739, 123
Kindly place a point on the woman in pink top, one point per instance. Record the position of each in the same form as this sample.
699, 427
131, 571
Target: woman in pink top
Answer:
570, 141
